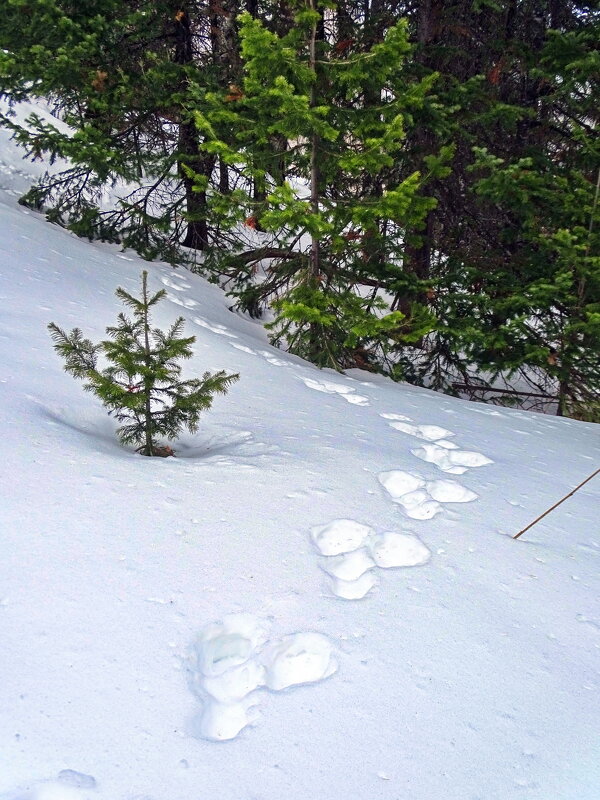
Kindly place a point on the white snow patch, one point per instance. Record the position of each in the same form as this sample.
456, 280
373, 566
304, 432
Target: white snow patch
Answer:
407, 490
228, 644
112, 563
214, 327
447, 445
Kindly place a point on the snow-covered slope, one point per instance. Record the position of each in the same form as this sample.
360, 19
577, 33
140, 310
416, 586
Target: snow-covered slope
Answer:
318, 597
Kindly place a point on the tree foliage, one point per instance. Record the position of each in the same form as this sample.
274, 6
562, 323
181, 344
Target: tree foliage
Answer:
120, 75
337, 201
511, 247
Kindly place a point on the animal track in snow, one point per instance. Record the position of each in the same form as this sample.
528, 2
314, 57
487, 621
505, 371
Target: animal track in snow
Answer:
391, 549
276, 362
179, 287
243, 348
454, 461
340, 536
297, 659
429, 432
347, 392
182, 301
268, 356
233, 659
436, 450
487, 412
215, 328
354, 590
408, 490
421, 499
447, 445
352, 552
446, 491
349, 566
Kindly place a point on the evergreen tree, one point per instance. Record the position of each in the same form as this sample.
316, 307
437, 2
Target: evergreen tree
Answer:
510, 250
120, 74
548, 309
337, 200
142, 386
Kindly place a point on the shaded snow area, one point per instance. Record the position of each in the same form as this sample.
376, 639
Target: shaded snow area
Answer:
318, 597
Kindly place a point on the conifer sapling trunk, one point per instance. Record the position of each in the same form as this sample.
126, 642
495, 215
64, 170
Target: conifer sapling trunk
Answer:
142, 386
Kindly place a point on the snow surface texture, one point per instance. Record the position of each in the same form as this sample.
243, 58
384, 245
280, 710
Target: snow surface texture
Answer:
68, 785
147, 604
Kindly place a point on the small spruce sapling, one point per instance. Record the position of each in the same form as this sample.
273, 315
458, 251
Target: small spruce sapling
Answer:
142, 386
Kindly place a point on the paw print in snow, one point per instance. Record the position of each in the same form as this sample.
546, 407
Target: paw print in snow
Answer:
234, 658
352, 552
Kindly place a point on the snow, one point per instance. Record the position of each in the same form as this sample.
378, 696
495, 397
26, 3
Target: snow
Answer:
298, 604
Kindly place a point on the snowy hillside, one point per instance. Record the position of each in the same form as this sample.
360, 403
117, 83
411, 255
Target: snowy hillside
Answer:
318, 597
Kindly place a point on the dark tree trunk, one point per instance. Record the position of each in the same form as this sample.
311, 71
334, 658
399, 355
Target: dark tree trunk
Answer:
188, 146
224, 186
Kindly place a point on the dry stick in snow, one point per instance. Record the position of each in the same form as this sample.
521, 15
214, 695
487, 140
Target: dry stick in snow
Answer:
535, 521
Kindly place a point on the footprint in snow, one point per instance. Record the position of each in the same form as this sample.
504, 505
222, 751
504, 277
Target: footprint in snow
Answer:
354, 590
243, 348
185, 302
429, 432
347, 392
451, 460
234, 658
486, 412
446, 491
421, 499
215, 328
407, 489
391, 549
352, 552
435, 452
276, 362
179, 287
340, 536
296, 659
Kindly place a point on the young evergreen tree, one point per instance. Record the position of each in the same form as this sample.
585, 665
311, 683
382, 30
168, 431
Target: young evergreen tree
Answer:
142, 386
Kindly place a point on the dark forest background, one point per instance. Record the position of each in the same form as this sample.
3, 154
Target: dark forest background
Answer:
409, 188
